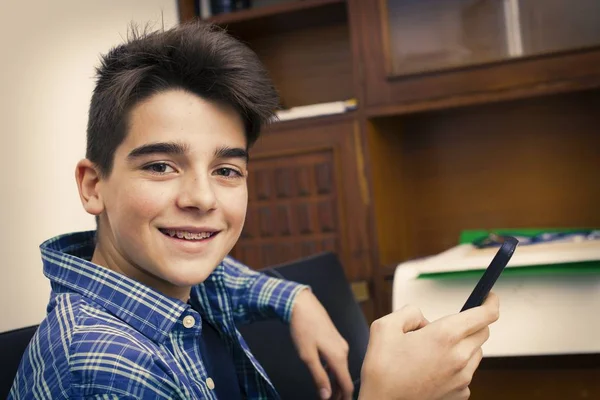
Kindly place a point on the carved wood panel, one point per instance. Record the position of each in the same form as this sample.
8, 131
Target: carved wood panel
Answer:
307, 194
292, 209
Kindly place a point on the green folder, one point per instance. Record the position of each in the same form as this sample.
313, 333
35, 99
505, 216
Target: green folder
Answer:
469, 236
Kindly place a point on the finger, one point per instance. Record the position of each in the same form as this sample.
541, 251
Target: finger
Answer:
475, 319
318, 373
476, 340
404, 320
463, 378
467, 348
339, 366
474, 363
462, 394
492, 300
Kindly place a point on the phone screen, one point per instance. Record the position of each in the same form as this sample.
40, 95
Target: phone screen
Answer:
492, 273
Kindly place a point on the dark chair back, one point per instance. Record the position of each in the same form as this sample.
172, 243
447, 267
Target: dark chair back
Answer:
12, 346
270, 340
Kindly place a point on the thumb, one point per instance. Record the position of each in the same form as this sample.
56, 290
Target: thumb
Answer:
319, 374
411, 318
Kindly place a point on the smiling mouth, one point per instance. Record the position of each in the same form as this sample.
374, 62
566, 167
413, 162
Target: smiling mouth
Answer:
190, 236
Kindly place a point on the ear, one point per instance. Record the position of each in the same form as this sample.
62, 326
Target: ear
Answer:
88, 183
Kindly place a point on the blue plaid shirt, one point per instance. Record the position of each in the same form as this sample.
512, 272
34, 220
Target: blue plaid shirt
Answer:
109, 337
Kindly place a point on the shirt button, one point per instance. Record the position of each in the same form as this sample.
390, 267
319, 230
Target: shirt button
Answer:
188, 321
210, 383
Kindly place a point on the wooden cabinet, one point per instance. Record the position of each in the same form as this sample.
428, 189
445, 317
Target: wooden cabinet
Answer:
437, 35
424, 55
471, 114
307, 194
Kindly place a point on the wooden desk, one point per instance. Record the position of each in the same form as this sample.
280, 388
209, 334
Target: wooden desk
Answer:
565, 377
546, 344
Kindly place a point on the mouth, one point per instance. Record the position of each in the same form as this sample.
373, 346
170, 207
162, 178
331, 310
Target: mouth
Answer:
187, 235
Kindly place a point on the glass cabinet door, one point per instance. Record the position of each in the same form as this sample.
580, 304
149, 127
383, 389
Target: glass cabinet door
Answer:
430, 35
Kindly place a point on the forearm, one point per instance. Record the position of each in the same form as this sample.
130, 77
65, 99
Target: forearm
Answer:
256, 296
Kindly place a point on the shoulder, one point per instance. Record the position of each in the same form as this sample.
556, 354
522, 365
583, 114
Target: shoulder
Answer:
44, 368
80, 350
232, 270
106, 354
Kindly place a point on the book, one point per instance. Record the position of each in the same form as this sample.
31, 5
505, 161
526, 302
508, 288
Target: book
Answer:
316, 110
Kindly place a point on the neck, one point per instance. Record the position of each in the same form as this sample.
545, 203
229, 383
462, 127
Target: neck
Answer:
109, 258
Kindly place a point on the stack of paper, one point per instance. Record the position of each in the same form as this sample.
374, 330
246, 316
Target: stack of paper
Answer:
468, 257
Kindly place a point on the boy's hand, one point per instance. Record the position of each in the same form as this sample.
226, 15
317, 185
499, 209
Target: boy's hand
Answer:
409, 358
315, 336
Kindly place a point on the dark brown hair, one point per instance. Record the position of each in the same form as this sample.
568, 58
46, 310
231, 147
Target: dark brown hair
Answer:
197, 57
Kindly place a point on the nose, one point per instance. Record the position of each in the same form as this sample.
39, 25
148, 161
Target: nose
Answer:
197, 192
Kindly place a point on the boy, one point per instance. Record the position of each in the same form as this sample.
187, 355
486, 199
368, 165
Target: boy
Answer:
165, 175
146, 306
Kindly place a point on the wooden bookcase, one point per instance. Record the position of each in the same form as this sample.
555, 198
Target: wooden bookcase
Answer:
308, 188
305, 45
513, 142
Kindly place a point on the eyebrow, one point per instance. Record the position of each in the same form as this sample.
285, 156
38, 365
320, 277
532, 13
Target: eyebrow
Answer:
158, 148
232, 152
176, 148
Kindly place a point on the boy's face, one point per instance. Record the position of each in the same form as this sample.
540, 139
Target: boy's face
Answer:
175, 202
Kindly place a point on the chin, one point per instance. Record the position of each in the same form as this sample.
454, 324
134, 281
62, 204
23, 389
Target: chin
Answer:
194, 275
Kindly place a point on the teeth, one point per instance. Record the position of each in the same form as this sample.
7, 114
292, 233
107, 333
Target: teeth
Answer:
187, 235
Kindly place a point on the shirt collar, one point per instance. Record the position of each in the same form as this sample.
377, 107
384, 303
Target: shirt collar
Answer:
66, 263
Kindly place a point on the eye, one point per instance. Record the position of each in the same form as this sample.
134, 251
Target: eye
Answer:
228, 172
159, 168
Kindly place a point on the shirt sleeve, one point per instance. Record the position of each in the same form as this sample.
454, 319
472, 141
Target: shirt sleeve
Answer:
256, 296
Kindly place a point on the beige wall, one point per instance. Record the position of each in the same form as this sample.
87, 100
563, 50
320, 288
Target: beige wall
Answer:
48, 51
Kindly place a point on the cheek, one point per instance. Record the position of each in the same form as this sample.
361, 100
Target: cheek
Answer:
138, 203
234, 204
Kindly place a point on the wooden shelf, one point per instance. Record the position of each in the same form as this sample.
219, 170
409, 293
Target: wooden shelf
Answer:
290, 8
485, 97
278, 17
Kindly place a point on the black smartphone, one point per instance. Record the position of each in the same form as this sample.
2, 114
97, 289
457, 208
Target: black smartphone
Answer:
492, 273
